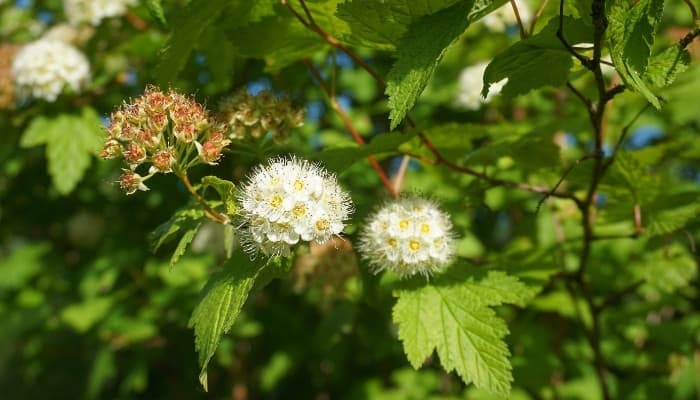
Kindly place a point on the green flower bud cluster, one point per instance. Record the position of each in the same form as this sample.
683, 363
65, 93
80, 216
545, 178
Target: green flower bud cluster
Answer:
252, 116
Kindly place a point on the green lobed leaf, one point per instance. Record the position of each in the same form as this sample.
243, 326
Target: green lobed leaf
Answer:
421, 48
664, 67
452, 315
630, 37
670, 212
669, 268
188, 27
279, 39
537, 61
70, 141
380, 24
182, 220
341, 158
225, 189
220, 303
155, 7
185, 241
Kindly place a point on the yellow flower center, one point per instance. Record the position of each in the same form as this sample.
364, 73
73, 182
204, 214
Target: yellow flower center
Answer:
425, 228
403, 224
391, 242
275, 180
276, 201
322, 224
414, 245
298, 185
299, 210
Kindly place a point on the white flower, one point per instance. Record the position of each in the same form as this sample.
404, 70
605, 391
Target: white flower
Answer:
504, 16
288, 201
408, 236
43, 69
470, 85
94, 11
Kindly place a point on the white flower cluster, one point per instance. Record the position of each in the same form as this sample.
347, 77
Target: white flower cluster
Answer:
409, 236
291, 200
504, 16
94, 11
471, 82
43, 69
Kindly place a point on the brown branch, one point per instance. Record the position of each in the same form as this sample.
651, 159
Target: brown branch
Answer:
523, 32
311, 25
561, 180
586, 62
350, 127
689, 37
210, 212
440, 159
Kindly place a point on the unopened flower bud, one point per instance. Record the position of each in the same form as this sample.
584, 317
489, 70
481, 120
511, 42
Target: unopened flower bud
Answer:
131, 182
163, 161
185, 132
134, 154
111, 149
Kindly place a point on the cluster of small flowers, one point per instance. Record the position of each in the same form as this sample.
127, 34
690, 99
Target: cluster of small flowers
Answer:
7, 98
44, 68
409, 236
291, 200
163, 129
505, 17
471, 82
247, 115
94, 11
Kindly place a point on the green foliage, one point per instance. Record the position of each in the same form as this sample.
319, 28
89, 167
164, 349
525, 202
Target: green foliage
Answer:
22, 265
537, 61
631, 37
182, 220
190, 25
71, 141
452, 315
225, 189
668, 268
380, 25
341, 157
88, 312
421, 49
219, 305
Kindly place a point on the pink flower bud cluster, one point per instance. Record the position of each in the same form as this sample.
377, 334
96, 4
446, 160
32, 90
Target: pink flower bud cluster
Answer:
167, 130
252, 116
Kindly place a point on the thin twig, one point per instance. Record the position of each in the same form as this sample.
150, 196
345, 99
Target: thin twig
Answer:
401, 173
211, 213
561, 179
616, 297
623, 136
311, 24
440, 159
523, 32
691, 240
537, 16
693, 10
586, 62
350, 127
